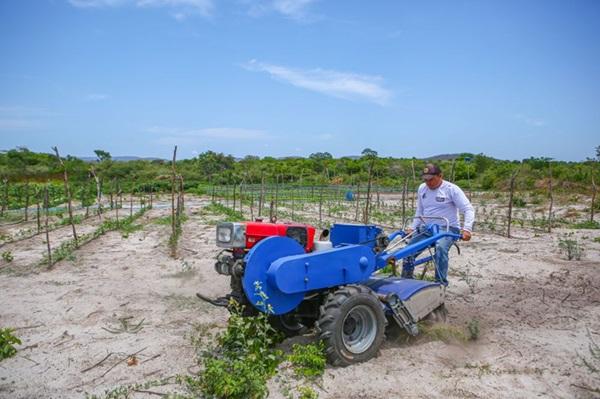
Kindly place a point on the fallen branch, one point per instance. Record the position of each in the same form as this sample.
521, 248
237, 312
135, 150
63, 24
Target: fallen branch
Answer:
585, 387
152, 358
122, 360
29, 327
149, 392
98, 364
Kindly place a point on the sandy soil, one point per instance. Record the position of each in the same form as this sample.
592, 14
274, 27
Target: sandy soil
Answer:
537, 315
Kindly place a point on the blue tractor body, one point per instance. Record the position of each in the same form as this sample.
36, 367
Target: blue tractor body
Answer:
338, 290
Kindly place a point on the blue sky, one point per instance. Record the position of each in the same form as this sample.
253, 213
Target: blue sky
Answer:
511, 79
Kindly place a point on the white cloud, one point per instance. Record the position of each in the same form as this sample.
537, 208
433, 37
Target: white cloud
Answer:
294, 9
325, 136
173, 135
96, 97
180, 9
535, 122
350, 86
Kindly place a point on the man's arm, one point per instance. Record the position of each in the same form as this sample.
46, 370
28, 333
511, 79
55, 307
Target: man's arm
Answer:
464, 206
419, 212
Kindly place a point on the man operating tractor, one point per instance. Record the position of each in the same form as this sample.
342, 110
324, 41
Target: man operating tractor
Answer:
442, 201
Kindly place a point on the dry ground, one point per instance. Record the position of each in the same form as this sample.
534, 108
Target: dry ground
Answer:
537, 314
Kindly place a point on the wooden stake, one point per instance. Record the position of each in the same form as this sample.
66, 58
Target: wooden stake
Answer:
68, 193
550, 196
46, 205
98, 191
510, 200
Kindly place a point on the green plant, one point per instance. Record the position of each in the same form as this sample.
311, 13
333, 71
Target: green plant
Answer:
308, 360
571, 248
7, 256
244, 359
588, 224
518, 202
597, 239
473, 328
307, 393
7, 340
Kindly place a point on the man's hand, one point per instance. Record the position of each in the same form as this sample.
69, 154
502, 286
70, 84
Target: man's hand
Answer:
408, 230
466, 235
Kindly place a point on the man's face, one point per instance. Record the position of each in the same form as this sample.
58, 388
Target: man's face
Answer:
434, 182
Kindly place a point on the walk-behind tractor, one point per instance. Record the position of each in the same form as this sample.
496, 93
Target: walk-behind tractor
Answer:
331, 283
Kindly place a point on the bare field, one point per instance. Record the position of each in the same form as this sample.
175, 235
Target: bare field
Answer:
537, 314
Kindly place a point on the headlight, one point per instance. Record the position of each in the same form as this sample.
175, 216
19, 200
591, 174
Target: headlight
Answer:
223, 234
231, 235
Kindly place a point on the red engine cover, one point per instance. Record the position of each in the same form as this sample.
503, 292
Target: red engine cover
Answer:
256, 231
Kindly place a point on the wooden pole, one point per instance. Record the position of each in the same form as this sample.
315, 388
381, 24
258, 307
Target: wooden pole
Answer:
593, 197
321, 207
550, 196
98, 191
5, 198
68, 193
173, 221
510, 200
46, 205
366, 215
27, 200
37, 203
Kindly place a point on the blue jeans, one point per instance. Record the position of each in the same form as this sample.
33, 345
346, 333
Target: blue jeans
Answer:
440, 258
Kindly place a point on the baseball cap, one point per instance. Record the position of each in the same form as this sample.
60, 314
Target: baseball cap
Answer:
430, 170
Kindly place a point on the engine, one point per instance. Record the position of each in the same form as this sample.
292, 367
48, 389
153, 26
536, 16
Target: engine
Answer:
236, 238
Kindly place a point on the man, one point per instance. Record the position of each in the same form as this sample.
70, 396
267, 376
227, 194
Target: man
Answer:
439, 198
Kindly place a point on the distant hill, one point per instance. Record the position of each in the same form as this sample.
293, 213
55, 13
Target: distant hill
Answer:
443, 157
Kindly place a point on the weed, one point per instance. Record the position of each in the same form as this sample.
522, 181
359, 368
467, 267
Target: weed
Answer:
593, 362
308, 360
307, 393
126, 391
7, 256
588, 224
7, 340
597, 239
443, 332
473, 328
571, 248
518, 202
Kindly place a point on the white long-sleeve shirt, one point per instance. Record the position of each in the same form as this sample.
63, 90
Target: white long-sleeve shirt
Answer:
445, 201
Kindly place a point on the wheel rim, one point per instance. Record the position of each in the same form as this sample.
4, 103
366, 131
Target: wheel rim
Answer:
359, 329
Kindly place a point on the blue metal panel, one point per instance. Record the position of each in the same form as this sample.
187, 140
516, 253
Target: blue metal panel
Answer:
404, 288
258, 260
301, 273
364, 234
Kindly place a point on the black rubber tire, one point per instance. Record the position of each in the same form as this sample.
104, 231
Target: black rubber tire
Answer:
287, 324
346, 310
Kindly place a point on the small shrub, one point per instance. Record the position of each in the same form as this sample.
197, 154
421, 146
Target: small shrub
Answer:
571, 248
7, 340
7, 256
307, 393
473, 328
597, 239
308, 360
243, 361
518, 202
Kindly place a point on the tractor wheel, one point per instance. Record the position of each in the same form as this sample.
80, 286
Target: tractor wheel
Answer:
287, 324
352, 325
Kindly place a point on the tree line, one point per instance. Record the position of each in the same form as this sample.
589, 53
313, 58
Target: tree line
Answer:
23, 172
